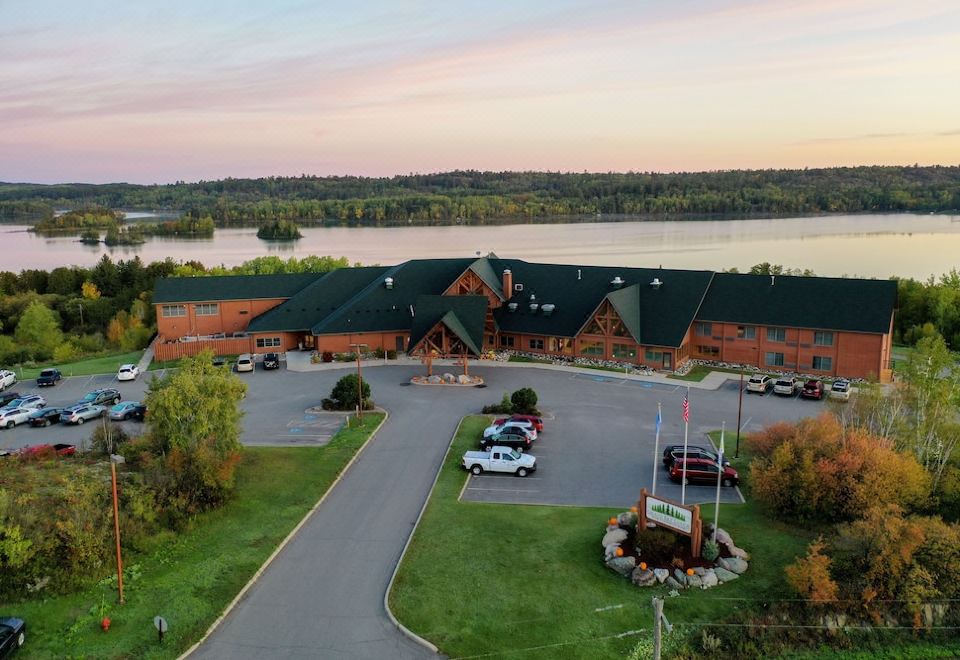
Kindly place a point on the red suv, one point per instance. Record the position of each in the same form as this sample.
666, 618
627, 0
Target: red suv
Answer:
702, 470
812, 389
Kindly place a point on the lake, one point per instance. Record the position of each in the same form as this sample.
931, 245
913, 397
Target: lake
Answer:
866, 245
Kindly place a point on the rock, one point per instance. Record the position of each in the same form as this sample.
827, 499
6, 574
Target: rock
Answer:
673, 584
610, 551
724, 575
622, 565
699, 570
710, 579
661, 574
627, 519
643, 577
694, 581
463, 379
615, 536
734, 564
434, 380
680, 576
449, 378
724, 538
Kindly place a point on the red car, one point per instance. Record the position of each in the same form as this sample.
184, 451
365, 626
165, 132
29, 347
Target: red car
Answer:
58, 449
533, 419
812, 389
702, 470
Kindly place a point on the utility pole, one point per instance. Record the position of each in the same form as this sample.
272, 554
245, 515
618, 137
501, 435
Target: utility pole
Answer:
356, 348
736, 452
116, 528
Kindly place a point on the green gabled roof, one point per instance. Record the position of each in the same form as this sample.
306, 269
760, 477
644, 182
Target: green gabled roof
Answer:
801, 302
214, 288
485, 272
375, 308
317, 300
463, 315
627, 304
663, 314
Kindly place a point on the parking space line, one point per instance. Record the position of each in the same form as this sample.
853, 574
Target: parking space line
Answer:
505, 490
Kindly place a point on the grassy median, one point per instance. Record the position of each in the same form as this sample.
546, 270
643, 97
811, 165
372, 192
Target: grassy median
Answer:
196, 573
528, 581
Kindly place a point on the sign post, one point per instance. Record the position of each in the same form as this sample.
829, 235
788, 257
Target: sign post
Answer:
656, 451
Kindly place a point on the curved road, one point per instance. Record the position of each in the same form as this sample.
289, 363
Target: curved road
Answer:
322, 596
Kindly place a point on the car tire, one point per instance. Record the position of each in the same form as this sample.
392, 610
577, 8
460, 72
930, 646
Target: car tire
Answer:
46, 422
727, 483
522, 472
476, 470
80, 421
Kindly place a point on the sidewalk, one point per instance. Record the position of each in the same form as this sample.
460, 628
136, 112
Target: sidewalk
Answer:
300, 361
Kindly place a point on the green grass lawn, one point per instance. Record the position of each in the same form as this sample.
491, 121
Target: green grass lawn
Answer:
196, 573
699, 372
529, 582
104, 364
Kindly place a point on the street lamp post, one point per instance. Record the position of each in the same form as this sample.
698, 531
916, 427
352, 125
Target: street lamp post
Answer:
736, 452
356, 348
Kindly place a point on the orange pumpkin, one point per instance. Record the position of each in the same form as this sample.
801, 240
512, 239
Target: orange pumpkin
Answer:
643, 566
612, 521
634, 509
619, 552
689, 571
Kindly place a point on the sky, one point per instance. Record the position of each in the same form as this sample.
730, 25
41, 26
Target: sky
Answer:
156, 92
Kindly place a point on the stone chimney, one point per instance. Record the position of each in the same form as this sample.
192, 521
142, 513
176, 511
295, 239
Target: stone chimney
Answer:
507, 283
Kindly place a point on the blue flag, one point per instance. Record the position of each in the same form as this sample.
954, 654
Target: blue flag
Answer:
658, 421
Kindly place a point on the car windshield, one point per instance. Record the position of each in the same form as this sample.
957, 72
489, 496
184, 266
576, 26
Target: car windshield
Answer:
119, 407
47, 372
515, 454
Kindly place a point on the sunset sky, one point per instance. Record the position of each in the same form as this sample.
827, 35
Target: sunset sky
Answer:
162, 91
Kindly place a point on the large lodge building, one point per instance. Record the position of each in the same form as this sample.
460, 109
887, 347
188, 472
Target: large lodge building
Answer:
649, 316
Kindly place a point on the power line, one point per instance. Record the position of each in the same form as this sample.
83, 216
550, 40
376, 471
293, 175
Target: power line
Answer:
694, 624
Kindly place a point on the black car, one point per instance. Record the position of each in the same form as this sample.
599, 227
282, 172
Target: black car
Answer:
513, 439
7, 397
673, 452
45, 417
49, 377
13, 633
106, 396
271, 361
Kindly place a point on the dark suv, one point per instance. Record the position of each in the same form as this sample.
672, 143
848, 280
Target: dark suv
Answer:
49, 377
106, 396
515, 439
271, 361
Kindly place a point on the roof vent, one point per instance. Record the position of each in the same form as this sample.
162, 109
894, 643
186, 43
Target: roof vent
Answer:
534, 307
655, 284
388, 282
518, 287
411, 311
773, 278
512, 306
617, 281
548, 309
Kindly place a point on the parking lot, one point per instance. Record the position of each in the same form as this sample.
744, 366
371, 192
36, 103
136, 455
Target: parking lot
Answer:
597, 448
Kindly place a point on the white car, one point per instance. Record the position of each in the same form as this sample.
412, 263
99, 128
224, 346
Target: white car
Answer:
7, 378
786, 386
128, 372
244, 363
31, 401
10, 417
840, 389
759, 383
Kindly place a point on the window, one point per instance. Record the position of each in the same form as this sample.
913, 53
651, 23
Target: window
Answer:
560, 345
489, 340
709, 351
206, 309
823, 338
746, 332
268, 342
776, 334
704, 329
506, 341
591, 348
653, 356
536, 344
822, 363
624, 352
168, 311
774, 359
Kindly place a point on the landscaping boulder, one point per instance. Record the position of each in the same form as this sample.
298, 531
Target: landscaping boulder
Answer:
661, 574
627, 519
610, 551
699, 570
694, 581
680, 576
710, 579
643, 577
622, 565
673, 584
734, 564
464, 379
724, 575
434, 380
450, 378
723, 537
615, 536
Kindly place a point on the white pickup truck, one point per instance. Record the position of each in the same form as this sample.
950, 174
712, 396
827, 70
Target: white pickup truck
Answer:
499, 459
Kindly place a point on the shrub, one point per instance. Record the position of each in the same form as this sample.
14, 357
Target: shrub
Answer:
810, 575
107, 438
710, 550
344, 394
327, 356
66, 352
505, 407
656, 544
391, 354
524, 401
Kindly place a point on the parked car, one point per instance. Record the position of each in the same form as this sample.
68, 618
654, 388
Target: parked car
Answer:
128, 410
10, 417
700, 470
81, 413
100, 397
7, 397
271, 361
759, 383
219, 361
244, 363
812, 389
13, 633
511, 426
31, 401
60, 449
840, 389
675, 452
7, 378
499, 459
514, 438
786, 386
45, 416
49, 378
128, 372
536, 421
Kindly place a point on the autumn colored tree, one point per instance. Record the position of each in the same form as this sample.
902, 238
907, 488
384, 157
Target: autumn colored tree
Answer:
810, 575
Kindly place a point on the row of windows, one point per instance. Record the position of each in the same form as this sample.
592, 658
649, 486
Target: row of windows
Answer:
200, 309
820, 362
820, 338
565, 345
268, 342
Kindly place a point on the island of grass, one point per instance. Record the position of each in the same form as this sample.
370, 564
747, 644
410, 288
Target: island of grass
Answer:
279, 230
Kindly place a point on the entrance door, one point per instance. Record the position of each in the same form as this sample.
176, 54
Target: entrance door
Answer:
667, 361
400, 346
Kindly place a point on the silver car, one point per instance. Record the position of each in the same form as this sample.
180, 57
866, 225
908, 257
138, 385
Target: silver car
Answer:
32, 401
10, 417
81, 413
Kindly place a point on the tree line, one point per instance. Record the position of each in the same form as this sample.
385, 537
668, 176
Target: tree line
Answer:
474, 196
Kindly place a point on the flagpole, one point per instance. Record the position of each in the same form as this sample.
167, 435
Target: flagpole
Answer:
686, 434
716, 511
656, 452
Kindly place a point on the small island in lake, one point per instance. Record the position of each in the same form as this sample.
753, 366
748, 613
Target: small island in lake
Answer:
279, 230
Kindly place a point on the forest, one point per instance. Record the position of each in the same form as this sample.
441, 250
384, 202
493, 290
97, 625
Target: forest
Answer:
477, 197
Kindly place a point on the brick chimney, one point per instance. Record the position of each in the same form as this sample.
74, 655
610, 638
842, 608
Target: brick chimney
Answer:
507, 283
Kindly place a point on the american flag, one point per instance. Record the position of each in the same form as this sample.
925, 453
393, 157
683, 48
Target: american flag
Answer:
686, 407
